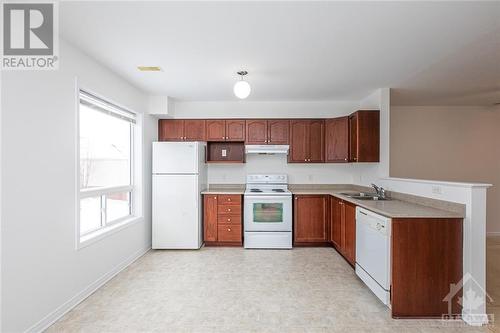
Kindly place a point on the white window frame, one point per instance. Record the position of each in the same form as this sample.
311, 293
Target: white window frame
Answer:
134, 190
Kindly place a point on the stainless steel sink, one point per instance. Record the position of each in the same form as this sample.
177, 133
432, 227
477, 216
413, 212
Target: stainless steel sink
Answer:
363, 196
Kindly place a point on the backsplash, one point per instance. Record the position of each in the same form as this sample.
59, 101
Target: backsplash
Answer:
313, 173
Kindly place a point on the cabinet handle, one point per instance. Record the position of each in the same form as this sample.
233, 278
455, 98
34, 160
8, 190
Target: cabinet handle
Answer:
223, 137
229, 209
228, 229
305, 159
228, 220
229, 199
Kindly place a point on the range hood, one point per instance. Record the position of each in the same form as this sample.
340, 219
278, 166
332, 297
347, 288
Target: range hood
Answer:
266, 149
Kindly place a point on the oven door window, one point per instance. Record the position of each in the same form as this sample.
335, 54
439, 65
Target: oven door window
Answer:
268, 212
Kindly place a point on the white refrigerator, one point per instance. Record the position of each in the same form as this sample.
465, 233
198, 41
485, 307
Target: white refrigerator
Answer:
179, 175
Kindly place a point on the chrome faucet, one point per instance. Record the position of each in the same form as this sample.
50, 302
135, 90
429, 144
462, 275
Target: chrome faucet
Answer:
379, 190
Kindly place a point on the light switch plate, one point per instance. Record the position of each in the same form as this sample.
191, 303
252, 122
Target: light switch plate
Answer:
224, 152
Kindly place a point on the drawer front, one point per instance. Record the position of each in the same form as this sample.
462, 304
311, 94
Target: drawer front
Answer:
229, 199
229, 219
229, 209
228, 233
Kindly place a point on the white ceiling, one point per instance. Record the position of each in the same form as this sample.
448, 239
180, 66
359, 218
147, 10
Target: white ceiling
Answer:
296, 50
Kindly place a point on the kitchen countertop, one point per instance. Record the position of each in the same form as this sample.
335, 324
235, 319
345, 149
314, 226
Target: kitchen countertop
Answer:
393, 208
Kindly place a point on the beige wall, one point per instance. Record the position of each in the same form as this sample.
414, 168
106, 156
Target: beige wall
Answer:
449, 143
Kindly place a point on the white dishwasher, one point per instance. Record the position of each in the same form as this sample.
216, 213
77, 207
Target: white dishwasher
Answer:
373, 252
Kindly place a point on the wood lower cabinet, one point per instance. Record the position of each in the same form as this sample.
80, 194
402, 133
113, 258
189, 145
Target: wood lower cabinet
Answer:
337, 140
427, 256
307, 141
222, 221
343, 228
310, 219
364, 137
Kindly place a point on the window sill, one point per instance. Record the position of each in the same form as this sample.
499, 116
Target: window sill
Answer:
97, 235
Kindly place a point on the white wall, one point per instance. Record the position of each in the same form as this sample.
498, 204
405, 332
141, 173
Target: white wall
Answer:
42, 273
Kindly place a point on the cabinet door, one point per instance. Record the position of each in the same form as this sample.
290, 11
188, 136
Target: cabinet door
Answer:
299, 141
310, 219
194, 130
336, 222
256, 132
278, 132
317, 141
368, 136
170, 130
350, 232
235, 130
216, 130
337, 140
210, 218
353, 138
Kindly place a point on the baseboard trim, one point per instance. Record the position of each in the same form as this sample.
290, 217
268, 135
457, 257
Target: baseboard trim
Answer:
493, 234
55, 315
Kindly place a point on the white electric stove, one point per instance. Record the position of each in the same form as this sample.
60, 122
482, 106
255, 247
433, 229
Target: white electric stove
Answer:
267, 212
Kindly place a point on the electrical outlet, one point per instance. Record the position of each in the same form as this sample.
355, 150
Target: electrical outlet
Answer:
224, 152
310, 177
437, 190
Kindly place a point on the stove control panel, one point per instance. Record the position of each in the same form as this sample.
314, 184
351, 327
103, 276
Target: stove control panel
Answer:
267, 179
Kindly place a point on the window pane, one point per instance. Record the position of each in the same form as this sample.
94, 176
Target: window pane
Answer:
90, 214
105, 146
117, 206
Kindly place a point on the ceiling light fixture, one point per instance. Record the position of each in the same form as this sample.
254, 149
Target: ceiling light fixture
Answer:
241, 88
149, 68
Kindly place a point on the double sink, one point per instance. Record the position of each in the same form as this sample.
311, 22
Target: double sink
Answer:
365, 196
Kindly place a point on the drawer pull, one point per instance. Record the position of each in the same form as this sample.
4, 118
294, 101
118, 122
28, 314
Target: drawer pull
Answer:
228, 229
229, 209
228, 199
228, 220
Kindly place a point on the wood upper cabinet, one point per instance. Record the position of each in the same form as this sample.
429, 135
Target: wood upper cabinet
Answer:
364, 136
337, 140
256, 132
181, 130
225, 130
210, 218
194, 130
306, 141
299, 141
170, 130
317, 141
261, 132
235, 130
216, 130
278, 132
310, 219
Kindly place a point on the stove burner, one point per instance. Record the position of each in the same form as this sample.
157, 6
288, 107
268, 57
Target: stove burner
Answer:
278, 190
255, 190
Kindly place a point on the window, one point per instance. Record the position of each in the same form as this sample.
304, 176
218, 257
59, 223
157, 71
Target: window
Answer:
106, 164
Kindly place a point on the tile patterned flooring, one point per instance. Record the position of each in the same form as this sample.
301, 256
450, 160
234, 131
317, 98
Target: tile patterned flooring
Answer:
237, 290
